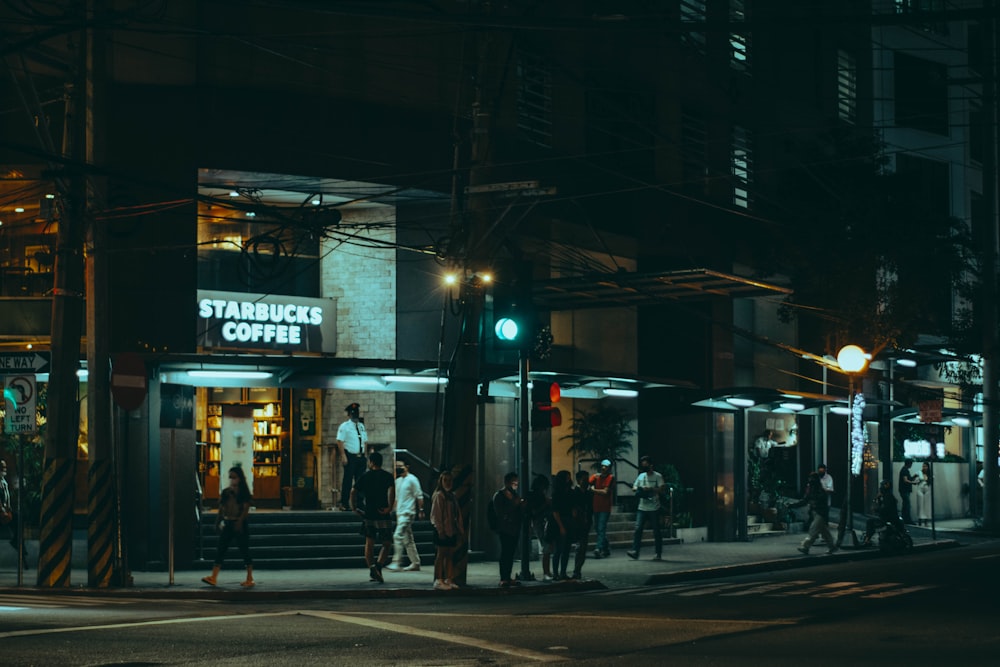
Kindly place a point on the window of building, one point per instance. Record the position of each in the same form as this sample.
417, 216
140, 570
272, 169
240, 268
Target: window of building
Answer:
976, 120
921, 94
534, 99
693, 17
739, 40
618, 130
741, 165
694, 160
916, 7
847, 87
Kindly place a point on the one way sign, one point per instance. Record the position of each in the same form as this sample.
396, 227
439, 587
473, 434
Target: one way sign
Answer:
24, 362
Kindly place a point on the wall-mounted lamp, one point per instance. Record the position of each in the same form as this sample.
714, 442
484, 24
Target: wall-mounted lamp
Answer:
961, 421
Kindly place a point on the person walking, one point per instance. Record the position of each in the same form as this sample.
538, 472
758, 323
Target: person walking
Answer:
923, 484
648, 487
816, 498
904, 485
508, 508
352, 440
373, 498
446, 519
409, 506
232, 524
560, 522
8, 517
583, 519
602, 488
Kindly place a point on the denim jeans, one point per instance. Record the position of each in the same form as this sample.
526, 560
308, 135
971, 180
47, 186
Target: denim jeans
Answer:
641, 517
601, 527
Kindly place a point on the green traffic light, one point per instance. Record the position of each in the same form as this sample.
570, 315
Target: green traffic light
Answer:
506, 329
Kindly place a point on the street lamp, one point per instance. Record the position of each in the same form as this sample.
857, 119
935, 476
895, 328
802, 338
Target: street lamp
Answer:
852, 361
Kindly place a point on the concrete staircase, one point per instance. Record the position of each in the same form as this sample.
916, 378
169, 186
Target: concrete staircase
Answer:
303, 540
621, 525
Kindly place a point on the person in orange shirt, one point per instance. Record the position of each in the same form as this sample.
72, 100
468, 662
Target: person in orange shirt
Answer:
602, 485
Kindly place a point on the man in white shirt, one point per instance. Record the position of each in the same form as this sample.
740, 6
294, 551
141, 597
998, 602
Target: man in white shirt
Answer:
409, 506
826, 481
647, 487
352, 439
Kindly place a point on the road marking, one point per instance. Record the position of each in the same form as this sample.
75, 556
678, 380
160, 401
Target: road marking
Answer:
854, 590
58, 601
138, 624
767, 588
481, 644
986, 556
816, 589
898, 591
708, 590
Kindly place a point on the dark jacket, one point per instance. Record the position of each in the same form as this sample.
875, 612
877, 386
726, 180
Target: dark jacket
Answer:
508, 511
816, 499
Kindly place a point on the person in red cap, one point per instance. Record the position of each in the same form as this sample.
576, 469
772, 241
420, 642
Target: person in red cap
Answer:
352, 439
602, 485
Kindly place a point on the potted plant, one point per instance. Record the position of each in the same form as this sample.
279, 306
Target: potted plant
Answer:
604, 432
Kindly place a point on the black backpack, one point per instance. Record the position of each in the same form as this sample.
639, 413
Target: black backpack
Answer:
491, 513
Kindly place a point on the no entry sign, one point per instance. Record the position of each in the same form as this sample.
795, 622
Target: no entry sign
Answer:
129, 383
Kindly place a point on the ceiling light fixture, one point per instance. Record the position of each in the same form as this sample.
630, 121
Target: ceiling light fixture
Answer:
909, 363
793, 406
416, 379
840, 410
741, 402
961, 421
231, 375
623, 393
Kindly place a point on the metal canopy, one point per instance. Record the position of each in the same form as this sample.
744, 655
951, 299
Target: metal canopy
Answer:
639, 289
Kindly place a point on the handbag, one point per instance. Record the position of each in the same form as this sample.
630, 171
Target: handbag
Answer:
6, 516
444, 540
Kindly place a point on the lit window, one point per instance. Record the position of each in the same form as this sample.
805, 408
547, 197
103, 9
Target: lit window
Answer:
741, 165
847, 87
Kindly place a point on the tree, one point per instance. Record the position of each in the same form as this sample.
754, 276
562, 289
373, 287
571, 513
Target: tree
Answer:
602, 433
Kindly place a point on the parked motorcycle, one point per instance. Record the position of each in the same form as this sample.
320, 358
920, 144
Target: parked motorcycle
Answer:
894, 539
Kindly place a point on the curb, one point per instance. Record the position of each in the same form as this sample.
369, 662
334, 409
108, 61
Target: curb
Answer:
790, 563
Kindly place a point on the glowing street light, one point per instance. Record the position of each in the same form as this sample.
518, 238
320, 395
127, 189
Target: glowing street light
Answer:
853, 361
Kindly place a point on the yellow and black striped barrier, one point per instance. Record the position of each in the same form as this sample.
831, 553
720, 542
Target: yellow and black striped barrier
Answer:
55, 540
100, 529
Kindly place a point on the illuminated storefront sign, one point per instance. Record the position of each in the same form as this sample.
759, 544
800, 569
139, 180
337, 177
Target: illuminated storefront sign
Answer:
266, 322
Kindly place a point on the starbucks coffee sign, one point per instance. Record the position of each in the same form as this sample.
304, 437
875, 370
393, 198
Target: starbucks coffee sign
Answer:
266, 322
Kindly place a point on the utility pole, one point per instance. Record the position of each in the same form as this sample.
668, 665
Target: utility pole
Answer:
103, 525
59, 477
459, 438
988, 295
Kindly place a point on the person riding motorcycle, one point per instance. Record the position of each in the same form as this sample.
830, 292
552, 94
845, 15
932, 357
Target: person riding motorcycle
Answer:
886, 512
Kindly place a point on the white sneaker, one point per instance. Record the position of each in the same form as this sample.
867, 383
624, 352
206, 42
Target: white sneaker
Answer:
395, 567
450, 584
547, 577
412, 567
441, 586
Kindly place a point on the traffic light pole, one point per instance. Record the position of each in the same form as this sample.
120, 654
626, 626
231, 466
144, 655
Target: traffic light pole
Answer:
523, 435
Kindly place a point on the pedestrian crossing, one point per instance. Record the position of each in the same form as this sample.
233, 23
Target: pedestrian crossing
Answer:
794, 588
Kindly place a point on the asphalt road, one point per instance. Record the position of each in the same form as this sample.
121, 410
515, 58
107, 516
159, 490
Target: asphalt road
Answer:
937, 608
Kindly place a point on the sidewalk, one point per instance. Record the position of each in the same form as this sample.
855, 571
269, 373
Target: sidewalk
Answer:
681, 562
